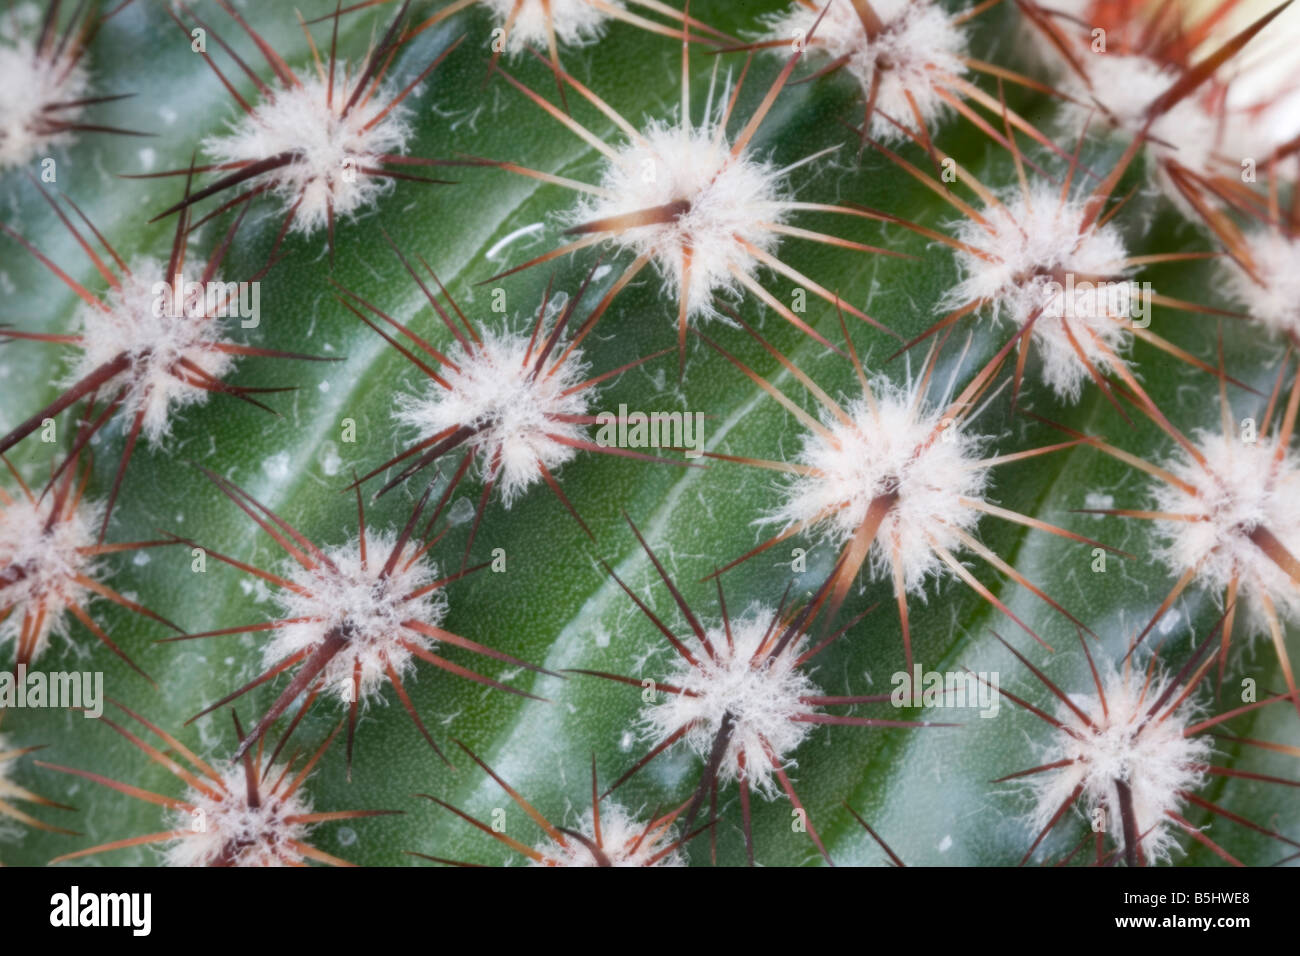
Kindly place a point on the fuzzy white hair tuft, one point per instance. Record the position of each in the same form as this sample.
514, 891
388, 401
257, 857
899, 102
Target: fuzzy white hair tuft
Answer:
733, 201
233, 832
367, 605
50, 562
136, 321
890, 448
624, 841
1242, 487
918, 46
1151, 755
1272, 296
515, 411
332, 150
763, 695
1123, 87
1034, 243
574, 22
30, 84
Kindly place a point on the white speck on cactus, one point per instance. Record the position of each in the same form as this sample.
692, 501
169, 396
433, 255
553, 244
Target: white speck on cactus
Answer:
763, 695
1241, 488
39, 567
624, 841
1033, 245
727, 201
918, 46
158, 343
277, 467
1149, 754
367, 605
895, 448
331, 150
515, 411
227, 829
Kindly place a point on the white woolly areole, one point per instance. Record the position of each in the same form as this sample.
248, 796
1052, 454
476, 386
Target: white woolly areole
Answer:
1034, 246
575, 22
1273, 299
368, 607
890, 450
763, 697
516, 413
38, 568
623, 840
231, 832
1241, 488
1153, 758
137, 322
29, 86
332, 149
731, 199
1126, 85
918, 44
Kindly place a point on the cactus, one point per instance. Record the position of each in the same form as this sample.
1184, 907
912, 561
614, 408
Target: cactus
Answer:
623, 433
